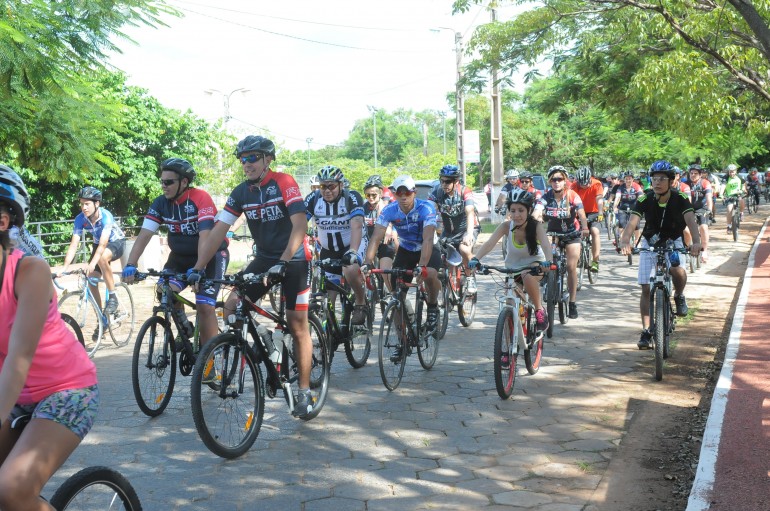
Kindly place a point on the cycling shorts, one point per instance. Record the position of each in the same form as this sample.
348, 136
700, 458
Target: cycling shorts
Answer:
214, 270
647, 261
115, 247
702, 216
295, 285
732, 199
622, 216
592, 219
457, 237
74, 409
333, 273
407, 259
386, 251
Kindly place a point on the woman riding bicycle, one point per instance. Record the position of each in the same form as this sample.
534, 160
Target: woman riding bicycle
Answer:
529, 246
375, 202
45, 374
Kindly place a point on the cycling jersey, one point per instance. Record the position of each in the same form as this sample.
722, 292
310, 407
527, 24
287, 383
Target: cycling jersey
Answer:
767, 178
590, 195
452, 209
409, 226
387, 195
683, 188
370, 217
665, 220
268, 207
698, 193
332, 219
26, 242
733, 186
752, 181
186, 216
628, 195
105, 221
562, 214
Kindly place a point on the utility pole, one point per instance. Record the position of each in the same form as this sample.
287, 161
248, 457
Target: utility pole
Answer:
442, 114
460, 105
373, 110
496, 127
226, 100
308, 140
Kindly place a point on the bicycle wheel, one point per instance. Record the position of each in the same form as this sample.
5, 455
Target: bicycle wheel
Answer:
228, 417
506, 353
121, 322
535, 342
589, 258
581, 267
96, 488
504, 246
736, 225
659, 331
275, 298
83, 309
358, 345
443, 312
153, 366
466, 309
73, 325
671, 322
392, 346
427, 344
551, 292
563, 318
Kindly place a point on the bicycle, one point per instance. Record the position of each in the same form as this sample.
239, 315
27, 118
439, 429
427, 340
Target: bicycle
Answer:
767, 192
402, 329
617, 230
662, 316
81, 305
737, 216
355, 338
752, 204
584, 263
503, 211
154, 362
227, 391
609, 218
275, 294
454, 288
515, 332
555, 288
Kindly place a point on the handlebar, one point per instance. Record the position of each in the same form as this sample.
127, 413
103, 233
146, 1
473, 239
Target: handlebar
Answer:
538, 270
636, 250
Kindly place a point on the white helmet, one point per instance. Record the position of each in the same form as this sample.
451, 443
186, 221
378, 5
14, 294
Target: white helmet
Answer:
732, 167
512, 174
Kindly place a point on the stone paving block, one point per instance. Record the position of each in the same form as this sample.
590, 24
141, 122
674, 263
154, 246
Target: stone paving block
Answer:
520, 498
335, 504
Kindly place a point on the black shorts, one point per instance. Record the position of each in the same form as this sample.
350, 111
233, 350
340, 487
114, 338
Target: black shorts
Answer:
116, 247
386, 251
407, 260
455, 238
214, 270
592, 219
702, 216
295, 285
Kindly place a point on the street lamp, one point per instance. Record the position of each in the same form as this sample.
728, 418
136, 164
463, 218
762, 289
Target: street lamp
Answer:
226, 98
459, 100
373, 110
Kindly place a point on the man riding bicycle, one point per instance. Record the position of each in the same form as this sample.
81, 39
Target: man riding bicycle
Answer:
701, 193
458, 215
752, 184
591, 192
734, 190
339, 218
511, 182
625, 198
375, 202
666, 213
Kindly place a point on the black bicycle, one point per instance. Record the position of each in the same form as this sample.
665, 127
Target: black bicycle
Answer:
584, 263
454, 288
733, 204
556, 290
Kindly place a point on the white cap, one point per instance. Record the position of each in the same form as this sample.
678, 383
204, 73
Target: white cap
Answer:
403, 182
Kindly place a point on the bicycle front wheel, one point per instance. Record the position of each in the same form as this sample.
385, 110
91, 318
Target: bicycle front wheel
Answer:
358, 345
320, 367
506, 353
427, 344
443, 312
153, 366
96, 488
535, 342
83, 309
121, 321
73, 325
550, 292
583, 263
466, 310
392, 346
228, 413
660, 330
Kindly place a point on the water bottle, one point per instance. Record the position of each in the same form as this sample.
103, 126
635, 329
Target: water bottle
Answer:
409, 310
185, 323
267, 337
673, 258
279, 342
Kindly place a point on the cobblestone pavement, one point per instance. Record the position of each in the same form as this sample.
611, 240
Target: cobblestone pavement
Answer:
442, 440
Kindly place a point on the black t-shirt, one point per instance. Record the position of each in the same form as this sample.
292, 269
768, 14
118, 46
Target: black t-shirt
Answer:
666, 220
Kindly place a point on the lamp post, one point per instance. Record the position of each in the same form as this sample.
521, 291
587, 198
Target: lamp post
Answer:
226, 99
308, 140
459, 100
373, 110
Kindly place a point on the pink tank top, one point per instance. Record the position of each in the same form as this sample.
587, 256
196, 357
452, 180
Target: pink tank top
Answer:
60, 362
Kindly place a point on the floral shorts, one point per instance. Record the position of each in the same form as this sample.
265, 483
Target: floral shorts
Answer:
74, 409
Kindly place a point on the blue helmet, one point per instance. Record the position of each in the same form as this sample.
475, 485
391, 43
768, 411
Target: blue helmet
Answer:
14, 194
450, 171
663, 167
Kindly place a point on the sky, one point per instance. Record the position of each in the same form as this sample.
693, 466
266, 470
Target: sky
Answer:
312, 68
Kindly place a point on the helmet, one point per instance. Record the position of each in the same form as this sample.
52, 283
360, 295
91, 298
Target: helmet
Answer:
696, 167
626, 174
374, 180
403, 182
257, 144
314, 180
613, 176
732, 168
512, 174
182, 167
677, 171
525, 175
14, 193
662, 167
90, 193
753, 170
557, 169
450, 171
519, 196
345, 182
584, 176
330, 173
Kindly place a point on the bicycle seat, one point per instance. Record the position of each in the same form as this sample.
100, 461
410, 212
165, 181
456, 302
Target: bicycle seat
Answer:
453, 257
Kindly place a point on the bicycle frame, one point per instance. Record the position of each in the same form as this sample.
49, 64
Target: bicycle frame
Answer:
324, 286
400, 297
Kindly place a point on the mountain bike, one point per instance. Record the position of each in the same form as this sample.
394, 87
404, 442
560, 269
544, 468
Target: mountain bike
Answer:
737, 216
516, 329
609, 218
584, 263
81, 305
617, 231
767, 192
154, 362
556, 291
227, 391
403, 328
752, 201
355, 338
454, 288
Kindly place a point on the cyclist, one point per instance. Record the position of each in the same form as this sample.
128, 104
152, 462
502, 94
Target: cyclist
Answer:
189, 215
459, 219
375, 202
752, 184
680, 186
45, 375
734, 190
339, 218
527, 247
701, 193
564, 212
109, 244
767, 179
24, 241
511, 182
644, 180
666, 213
315, 184
276, 217
625, 198
591, 192
415, 222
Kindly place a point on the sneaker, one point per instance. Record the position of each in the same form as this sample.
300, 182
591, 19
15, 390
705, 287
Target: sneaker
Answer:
95, 336
729, 228
471, 289
704, 256
645, 341
572, 311
395, 357
360, 312
595, 266
681, 305
304, 405
112, 304
541, 317
431, 322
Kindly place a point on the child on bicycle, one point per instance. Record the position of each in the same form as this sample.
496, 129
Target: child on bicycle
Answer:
528, 247
45, 374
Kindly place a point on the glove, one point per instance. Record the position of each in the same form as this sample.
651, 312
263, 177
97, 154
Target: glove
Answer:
420, 271
366, 268
230, 234
194, 276
600, 218
350, 258
474, 263
129, 271
277, 271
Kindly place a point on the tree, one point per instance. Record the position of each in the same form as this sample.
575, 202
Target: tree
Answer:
395, 133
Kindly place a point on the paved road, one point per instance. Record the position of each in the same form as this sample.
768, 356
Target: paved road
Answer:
442, 440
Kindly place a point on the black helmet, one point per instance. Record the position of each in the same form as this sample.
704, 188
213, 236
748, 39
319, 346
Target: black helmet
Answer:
663, 167
374, 180
255, 143
525, 175
14, 193
583, 175
450, 171
519, 196
330, 173
90, 193
181, 166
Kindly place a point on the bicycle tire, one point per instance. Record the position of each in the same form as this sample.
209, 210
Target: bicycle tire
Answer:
121, 322
73, 325
466, 310
275, 294
443, 311
153, 370
505, 340
84, 310
581, 266
659, 331
671, 322
228, 425
80, 492
535, 341
563, 317
550, 301
736, 225
592, 277
427, 344
358, 344
392, 337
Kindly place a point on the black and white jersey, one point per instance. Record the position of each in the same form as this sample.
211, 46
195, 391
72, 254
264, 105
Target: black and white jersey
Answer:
332, 219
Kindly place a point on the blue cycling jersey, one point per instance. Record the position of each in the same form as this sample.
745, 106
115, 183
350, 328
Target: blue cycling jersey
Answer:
409, 226
105, 221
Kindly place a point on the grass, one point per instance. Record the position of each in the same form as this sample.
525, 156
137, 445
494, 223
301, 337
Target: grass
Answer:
488, 227
585, 467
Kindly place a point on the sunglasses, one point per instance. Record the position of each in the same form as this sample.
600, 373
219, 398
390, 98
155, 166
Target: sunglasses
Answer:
332, 186
659, 179
447, 181
557, 179
168, 182
252, 158
372, 195
525, 181
404, 193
